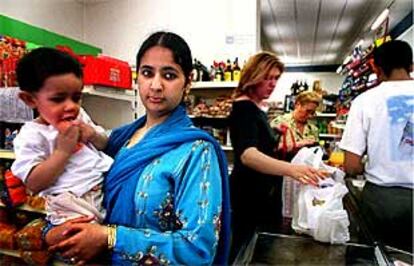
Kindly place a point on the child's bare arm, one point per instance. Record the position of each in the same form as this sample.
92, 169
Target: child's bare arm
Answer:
45, 174
99, 141
89, 134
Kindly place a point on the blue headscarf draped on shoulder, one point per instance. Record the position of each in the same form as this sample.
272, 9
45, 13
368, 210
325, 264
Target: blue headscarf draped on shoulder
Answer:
120, 182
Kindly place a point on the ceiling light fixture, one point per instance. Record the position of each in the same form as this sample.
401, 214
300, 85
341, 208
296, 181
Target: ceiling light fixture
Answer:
380, 19
360, 43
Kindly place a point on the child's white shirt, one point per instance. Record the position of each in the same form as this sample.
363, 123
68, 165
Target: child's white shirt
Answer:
83, 171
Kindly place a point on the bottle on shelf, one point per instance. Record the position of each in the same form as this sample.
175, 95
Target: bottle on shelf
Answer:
212, 72
203, 73
236, 70
219, 74
228, 72
294, 89
305, 86
195, 72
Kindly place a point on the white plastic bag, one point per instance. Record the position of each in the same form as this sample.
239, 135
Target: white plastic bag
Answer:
318, 211
309, 156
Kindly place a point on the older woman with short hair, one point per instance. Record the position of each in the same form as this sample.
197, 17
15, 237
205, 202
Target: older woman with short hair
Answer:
304, 131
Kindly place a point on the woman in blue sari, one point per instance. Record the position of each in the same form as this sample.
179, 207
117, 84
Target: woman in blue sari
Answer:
166, 194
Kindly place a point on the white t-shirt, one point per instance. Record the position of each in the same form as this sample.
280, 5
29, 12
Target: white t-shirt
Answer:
83, 171
381, 123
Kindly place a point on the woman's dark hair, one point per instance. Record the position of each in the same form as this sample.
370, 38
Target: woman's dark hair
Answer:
179, 48
40, 64
393, 55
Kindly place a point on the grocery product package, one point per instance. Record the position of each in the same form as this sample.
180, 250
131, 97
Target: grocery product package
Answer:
318, 211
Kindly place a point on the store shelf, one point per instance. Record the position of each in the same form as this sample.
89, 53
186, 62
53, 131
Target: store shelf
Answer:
16, 254
7, 154
333, 136
113, 93
226, 148
9, 252
326, 115
26, 207
207, 117
214, 85
339, 126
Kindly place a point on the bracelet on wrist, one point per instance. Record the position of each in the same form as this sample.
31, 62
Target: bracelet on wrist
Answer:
111, 229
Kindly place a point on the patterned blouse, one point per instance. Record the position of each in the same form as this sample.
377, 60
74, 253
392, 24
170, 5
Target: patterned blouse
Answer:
310, 131
177, 207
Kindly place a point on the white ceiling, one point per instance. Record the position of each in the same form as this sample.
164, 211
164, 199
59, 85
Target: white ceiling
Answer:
91, 1
322, 32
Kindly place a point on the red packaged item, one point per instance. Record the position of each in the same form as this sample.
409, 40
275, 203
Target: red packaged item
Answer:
30, 236
7, 240
12, 190
36, 257
106, 71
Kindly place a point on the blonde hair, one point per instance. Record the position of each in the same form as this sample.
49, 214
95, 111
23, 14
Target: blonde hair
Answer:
256, 70
308, 97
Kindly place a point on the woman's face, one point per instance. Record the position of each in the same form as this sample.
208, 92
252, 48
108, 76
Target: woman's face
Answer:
265, 88
305, 111
161, 81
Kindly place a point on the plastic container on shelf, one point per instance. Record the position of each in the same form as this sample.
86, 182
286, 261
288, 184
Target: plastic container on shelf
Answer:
106, 71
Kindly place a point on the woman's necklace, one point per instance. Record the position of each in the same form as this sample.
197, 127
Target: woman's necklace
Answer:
138, 135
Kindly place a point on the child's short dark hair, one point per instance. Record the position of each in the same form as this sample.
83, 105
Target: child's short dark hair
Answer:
40, 64
393, 54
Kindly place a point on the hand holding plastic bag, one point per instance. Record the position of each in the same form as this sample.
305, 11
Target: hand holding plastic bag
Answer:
318, 211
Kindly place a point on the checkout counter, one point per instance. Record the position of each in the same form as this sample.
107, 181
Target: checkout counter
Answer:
290, 249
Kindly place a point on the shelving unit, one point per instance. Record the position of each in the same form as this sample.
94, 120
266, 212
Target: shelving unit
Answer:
9, 252
7, 154
123, 105
339, 126
326, 120
112, 93
213, 89
13, 114
226, 148
203, 85
360, 76
332, 115
208, 117
332, 136
26, 207
210, 91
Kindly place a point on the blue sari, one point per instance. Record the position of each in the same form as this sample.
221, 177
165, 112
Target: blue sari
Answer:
121, 180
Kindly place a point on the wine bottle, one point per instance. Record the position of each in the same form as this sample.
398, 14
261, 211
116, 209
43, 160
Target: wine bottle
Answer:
236, 70
195, 73
228, 71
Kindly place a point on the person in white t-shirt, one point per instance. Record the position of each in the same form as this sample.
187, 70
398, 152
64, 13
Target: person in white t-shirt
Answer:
57, 154
381, 125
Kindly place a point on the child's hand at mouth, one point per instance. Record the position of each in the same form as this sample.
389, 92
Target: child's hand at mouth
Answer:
64, 128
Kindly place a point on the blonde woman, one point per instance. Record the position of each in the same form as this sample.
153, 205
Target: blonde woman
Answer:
256, 180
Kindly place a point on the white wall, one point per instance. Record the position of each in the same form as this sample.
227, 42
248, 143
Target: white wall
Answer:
214, 29
119, 27
331, 82
64, 17
408, 36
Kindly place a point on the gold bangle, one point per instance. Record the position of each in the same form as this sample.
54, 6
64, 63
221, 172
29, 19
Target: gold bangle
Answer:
111, 230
